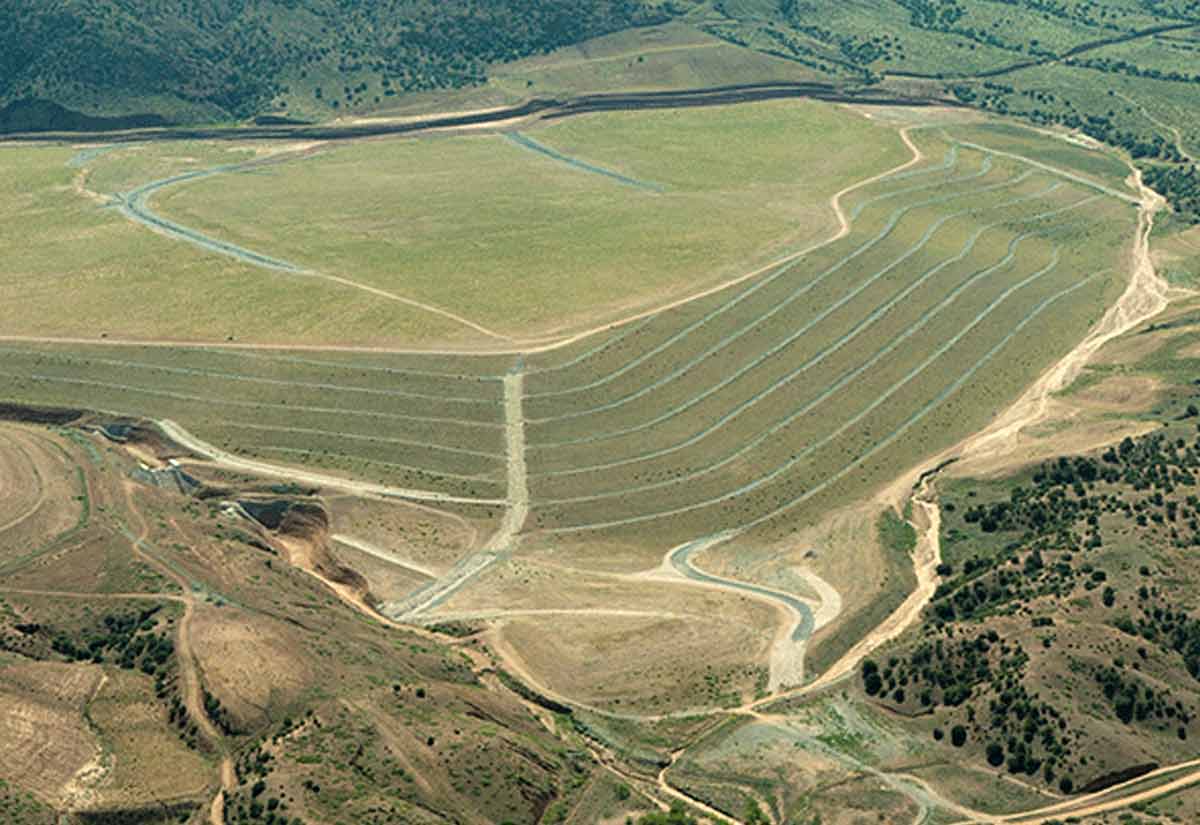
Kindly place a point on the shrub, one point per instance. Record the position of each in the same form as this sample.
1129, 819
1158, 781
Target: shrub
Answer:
958, 736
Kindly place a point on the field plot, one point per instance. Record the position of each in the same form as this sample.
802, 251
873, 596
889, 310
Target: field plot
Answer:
64, 236
524, 243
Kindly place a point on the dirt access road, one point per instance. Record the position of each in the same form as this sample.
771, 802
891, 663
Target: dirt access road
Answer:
516, 511
1145, 297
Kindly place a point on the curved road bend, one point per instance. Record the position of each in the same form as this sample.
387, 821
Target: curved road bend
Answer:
134, 206
681, 560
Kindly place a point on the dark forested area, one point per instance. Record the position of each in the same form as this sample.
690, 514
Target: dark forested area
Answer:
233, 57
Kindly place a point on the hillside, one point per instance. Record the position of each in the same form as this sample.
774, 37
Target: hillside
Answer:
231, 59
206, 654
1061, 643
1123, 72
659, 412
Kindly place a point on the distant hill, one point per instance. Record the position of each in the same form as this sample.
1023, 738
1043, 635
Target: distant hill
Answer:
1126, 72
218, 60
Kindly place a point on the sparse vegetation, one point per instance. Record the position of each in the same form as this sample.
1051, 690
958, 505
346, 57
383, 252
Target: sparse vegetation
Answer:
1031, 582
396, 320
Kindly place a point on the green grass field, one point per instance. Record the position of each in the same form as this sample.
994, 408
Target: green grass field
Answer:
127, 282
453, 221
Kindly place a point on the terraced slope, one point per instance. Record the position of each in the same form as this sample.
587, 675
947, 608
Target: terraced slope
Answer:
775, 399
745, 411
417, 424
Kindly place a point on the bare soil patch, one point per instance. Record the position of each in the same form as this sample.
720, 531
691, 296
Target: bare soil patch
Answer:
46, 741
254, 664
1120, 394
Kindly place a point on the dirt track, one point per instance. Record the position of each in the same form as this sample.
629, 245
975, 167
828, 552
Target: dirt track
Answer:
669, 790
216, 812
189, 668
191, 685
1096, 803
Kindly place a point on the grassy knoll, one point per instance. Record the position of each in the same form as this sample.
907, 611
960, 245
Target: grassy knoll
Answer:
1122, 71
762, 407
451, 221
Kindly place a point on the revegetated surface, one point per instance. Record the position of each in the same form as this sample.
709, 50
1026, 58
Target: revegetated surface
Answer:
451, 222
436, 536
